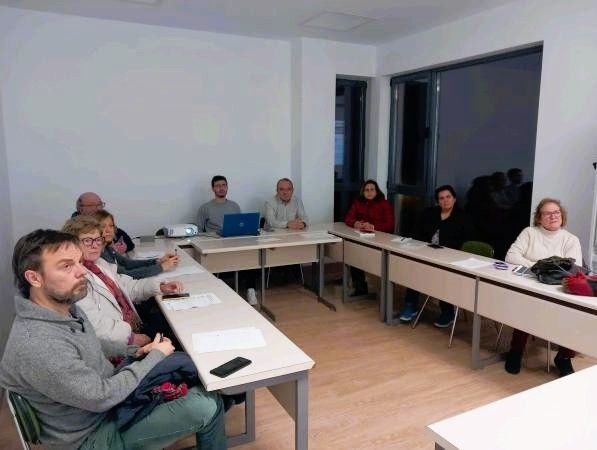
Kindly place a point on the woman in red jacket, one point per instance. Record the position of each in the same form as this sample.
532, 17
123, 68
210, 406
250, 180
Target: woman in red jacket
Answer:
369, 212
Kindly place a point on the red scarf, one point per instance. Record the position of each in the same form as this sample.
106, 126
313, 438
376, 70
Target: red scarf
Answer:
128, 313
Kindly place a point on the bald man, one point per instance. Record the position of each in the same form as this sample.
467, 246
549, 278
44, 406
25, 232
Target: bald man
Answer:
88, 204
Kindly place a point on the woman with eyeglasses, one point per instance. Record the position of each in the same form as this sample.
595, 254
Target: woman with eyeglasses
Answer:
110, 297
545, 238
134, 268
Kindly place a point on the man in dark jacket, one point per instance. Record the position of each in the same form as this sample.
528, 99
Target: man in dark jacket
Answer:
447, 225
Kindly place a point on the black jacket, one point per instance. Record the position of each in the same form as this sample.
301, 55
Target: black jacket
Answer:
453, 231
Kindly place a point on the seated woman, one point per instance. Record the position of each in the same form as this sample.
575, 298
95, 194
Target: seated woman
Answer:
134, 268
545, 238
446, 225
108, 304
369, 212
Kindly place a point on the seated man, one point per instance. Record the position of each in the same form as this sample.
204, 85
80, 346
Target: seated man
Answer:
88, 204
55, 361
211, 214
285, 210
211, 218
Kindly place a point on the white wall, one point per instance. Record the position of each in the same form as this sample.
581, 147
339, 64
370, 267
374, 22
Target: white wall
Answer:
143, 115
6, 244
321, 62
566, 131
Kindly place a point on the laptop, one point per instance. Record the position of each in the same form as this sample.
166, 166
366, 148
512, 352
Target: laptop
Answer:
243, 224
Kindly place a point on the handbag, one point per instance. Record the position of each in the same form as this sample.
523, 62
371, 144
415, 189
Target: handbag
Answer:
581, 284
552, 270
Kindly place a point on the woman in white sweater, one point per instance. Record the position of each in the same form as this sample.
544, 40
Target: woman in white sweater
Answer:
544, 239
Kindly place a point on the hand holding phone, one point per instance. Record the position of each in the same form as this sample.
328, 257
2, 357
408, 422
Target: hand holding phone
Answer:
228, 368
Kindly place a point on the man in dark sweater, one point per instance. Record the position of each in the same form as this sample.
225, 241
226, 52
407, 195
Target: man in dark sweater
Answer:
447, 225
54, 360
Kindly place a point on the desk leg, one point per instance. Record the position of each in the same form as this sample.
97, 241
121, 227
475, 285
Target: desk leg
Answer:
321, 256
236, 281
301, 421
293, 396
249, 434
262, 307
476, 350
382, 289
344, 282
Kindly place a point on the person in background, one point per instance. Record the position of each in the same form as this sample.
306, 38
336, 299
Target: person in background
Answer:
545, 238
54, 359
447, 225
515, 180
88, 204
285, 210
210, 216
109, 302
369, 212
134, 268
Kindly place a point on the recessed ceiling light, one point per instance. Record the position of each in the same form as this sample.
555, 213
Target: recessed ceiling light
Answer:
144, 2
336, 21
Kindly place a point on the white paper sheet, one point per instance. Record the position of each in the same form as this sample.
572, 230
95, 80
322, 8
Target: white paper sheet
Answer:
365, 234
193, 301
232, 339
177, 272
402, 239
472, 263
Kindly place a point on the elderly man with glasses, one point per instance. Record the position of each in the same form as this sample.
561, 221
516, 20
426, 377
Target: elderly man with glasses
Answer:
88, 204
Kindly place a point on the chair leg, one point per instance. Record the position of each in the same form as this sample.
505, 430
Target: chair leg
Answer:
453, 326
420, 312
548, 357
499, 336
269, 269
302, 275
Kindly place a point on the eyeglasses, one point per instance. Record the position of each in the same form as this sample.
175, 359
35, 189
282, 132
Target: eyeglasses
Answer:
89, 242
551, 213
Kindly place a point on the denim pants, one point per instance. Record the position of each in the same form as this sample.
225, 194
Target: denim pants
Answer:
199, 412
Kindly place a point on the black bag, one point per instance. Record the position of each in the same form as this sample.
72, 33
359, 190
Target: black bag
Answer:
552, 270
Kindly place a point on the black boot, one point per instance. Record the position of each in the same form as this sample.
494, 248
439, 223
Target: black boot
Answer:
564, 365
513, 361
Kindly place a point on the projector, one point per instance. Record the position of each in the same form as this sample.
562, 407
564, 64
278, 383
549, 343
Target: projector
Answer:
181, 230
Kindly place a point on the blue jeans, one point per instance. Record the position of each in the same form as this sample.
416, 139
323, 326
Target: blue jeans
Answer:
199, 412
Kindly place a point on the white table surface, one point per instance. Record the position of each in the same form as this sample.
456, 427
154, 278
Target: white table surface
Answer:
561, 414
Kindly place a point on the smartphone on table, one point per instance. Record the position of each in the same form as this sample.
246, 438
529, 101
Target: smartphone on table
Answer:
228, 368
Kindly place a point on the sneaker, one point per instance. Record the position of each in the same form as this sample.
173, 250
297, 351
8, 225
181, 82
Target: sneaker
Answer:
564, 365
444, 320
408, 313
252, 296
513, 362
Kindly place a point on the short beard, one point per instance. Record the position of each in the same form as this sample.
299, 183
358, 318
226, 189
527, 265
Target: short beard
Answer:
79, 292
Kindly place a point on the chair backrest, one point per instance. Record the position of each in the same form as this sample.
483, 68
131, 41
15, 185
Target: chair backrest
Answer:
24, 418
478, 248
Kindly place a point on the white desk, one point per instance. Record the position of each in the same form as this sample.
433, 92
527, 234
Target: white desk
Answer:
280, 366
271, 249
366, 253
561, 414
539, 309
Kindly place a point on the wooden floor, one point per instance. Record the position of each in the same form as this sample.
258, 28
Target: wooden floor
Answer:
373, 386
